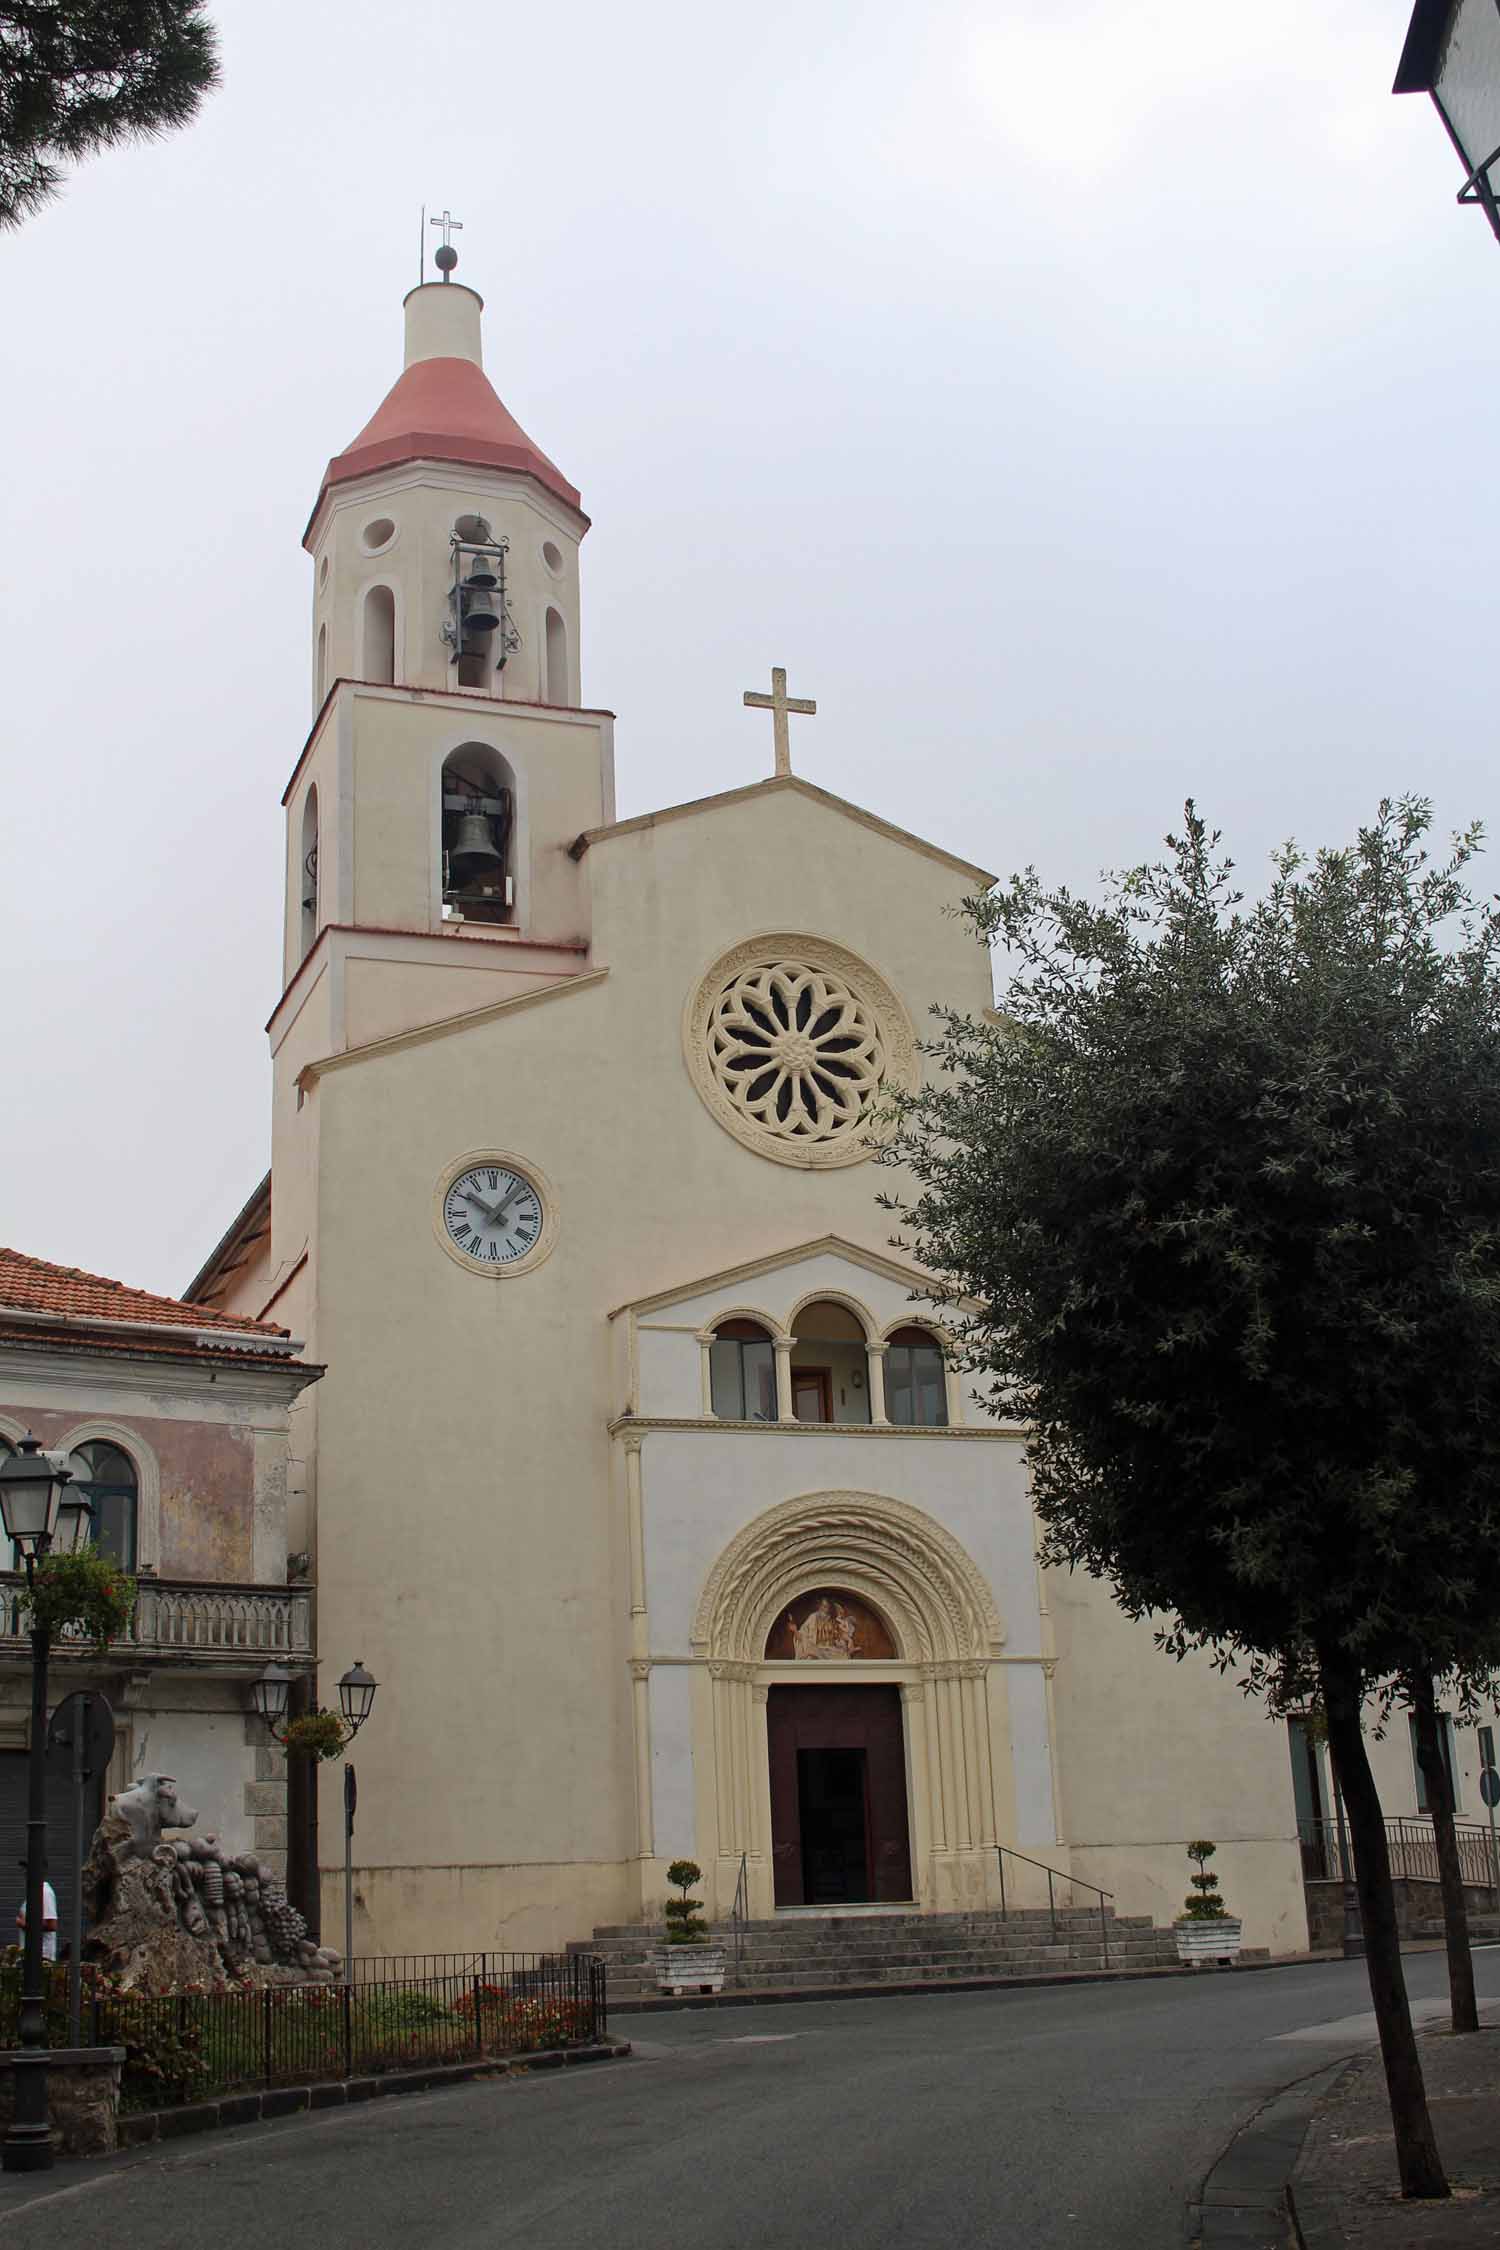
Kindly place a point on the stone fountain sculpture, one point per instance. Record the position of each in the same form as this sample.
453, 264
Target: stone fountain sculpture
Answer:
163, 1912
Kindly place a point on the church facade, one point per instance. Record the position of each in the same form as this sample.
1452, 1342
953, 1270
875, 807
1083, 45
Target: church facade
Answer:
637, 1475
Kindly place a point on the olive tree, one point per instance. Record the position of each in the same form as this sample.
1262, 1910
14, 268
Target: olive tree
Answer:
1214, 1198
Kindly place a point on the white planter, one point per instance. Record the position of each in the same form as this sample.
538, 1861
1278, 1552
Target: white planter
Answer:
691, 1968
1198, 1942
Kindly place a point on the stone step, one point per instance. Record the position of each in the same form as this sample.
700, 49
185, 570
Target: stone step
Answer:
911, 1961
891, 1949
839, 1927
621, 1994
774, 1971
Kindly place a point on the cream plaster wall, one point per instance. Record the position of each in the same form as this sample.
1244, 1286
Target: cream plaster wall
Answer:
1152, 1753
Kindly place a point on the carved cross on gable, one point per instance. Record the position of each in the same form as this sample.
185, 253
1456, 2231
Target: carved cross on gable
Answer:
779, 703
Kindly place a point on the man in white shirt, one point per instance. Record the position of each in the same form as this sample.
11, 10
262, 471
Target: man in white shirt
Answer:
49, 1922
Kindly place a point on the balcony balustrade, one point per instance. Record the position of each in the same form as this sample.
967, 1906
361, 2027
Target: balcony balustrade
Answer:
224, 1628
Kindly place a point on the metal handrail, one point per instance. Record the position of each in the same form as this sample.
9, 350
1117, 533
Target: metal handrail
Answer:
1005, 1850
739, 1913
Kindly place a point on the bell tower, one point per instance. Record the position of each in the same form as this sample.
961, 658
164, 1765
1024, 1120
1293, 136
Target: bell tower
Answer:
451, 763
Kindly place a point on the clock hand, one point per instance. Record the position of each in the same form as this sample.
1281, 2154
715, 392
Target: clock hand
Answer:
506, 1201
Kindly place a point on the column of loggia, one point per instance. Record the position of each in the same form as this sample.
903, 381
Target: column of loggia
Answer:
876, 1356
640, 1647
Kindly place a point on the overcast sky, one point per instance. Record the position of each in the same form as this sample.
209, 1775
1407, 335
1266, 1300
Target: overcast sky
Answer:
1090, 402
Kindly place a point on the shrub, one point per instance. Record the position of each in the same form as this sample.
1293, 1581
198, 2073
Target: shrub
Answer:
685, 1924
1203, 1904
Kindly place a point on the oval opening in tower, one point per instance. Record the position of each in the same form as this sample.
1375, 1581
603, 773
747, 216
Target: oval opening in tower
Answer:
377, 534
552, 557
474, 531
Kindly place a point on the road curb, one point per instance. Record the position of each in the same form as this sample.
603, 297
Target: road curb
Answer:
1245, 2200
147, 2126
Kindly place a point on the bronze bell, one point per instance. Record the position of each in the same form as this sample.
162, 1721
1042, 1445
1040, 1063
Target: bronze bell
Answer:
472, 855
479, 612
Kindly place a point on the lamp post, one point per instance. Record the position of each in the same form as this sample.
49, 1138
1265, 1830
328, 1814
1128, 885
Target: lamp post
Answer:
1452, 52
356, 1695
36, 1516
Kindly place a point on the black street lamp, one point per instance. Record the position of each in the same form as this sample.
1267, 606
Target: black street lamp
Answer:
38, 1513
356, 1694
1452, 52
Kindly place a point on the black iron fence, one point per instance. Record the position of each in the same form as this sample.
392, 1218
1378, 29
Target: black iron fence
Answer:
414, 2011
1411, 1846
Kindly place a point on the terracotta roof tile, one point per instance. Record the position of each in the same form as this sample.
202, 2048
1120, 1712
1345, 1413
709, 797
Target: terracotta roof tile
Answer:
34, 1285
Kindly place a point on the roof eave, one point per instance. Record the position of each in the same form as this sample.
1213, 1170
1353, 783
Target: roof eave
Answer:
1416, 73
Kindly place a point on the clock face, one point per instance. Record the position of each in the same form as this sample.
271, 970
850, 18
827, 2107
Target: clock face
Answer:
492, 1215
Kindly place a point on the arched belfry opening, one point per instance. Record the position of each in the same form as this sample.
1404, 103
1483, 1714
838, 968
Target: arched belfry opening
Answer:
478, 825
556, 685
307, 874
379, 662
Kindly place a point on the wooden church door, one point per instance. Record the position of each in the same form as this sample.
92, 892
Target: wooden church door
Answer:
838, 1796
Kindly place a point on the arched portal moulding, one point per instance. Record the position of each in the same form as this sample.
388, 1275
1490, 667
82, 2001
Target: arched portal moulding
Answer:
947, 1632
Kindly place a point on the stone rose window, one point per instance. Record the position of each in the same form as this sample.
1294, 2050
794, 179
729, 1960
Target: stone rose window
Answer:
791, 1041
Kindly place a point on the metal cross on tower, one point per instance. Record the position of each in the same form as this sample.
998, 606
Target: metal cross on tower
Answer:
449, 225
779, 703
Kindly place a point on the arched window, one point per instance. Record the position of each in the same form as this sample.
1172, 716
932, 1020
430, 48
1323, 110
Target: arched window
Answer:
106, 1474
479, 807
322, 688
830, 1365
380, 636
916, 1390
307, 872
742, 1372
556, 689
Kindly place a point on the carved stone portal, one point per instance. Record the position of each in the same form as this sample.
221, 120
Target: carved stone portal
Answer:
166, 1912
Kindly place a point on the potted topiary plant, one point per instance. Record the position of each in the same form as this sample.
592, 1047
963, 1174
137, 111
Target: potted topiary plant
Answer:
688, 1962
1206, 1930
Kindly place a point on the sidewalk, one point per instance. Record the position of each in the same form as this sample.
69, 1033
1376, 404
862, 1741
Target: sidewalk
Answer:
1343, 2188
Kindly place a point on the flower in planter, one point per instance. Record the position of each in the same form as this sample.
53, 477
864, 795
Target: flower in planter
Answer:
315, 1734
80, 1592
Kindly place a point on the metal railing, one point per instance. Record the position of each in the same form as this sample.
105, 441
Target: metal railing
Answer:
1412, 1847
192, 2046
175, 1617
739, 1913
1055, 1875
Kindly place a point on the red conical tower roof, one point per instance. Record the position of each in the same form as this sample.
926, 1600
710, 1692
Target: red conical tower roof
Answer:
443, 407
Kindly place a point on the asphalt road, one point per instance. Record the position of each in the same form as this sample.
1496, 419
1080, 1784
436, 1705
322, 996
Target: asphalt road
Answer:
1080, 2115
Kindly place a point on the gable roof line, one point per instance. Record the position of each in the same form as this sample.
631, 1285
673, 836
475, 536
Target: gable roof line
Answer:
396, 1041
255, 1206
793, 781
874, 1261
